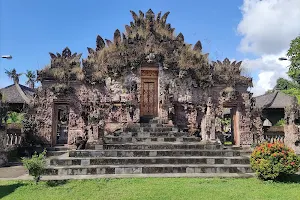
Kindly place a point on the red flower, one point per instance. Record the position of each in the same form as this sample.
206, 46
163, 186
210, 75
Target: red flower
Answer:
270, 145
292, 163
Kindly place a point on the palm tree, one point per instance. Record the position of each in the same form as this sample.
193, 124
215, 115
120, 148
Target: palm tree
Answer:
31, 78
13, 75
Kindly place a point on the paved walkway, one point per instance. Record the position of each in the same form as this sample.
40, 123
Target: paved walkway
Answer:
12, 172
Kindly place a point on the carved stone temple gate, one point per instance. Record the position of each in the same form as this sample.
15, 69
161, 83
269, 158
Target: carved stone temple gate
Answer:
137, 77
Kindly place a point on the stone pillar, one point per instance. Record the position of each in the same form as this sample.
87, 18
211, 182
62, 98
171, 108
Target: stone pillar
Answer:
207, 124
291, 130
291, 133
245, 124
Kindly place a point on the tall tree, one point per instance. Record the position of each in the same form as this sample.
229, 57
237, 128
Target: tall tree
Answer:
294, 56
292, 87
31, 78
283, 84
12, 74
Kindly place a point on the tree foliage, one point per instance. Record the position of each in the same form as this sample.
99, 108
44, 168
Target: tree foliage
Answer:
294, 56
292, 87
283, 84
294, 53
12, 74
31, 78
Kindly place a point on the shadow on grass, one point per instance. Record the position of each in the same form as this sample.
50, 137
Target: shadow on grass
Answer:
294, 178
8, 189
55, 183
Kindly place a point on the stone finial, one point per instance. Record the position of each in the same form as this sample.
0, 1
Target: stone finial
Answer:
108, 42
117, 37
141, 15
100, 44
90, 50
238, 65
128, 29
180, 37
66, 53
158, 17
164, 18
134, 16
52, 55
198, 46
226, 61
150, 15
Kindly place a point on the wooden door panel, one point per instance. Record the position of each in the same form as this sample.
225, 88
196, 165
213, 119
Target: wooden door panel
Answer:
149, 98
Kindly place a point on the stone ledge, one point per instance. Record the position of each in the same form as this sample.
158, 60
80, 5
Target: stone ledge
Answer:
174, 175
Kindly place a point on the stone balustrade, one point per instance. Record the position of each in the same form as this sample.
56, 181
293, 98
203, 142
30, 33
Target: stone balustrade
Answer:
13, 139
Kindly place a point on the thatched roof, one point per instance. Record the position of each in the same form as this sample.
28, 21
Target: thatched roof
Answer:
275, 99
11, 94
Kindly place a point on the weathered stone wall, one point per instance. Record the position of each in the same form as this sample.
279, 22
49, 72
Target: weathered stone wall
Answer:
291, 136
3, 153
113, 105
291, 130
43, 106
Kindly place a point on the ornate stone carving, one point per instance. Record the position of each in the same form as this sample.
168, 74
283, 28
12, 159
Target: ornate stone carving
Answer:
107, 90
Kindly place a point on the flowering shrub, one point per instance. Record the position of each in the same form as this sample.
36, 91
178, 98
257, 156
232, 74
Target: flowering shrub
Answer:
272, 160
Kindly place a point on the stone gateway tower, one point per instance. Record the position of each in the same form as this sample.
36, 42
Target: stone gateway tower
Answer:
145, 73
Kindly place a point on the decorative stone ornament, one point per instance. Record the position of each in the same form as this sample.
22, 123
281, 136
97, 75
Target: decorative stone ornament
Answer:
150, 58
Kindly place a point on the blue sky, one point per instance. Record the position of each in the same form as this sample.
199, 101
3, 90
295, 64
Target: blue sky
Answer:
32, 28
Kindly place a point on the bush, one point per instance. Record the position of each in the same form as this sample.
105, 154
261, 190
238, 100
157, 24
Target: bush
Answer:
273, 160
35, 165
281, 122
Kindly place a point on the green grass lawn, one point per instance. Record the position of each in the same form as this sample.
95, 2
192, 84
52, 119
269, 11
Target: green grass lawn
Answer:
150, 188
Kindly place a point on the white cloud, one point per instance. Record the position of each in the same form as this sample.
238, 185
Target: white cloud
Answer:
269, 69
267, 27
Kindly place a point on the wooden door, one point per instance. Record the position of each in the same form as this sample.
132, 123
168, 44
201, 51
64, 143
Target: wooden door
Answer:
149, 93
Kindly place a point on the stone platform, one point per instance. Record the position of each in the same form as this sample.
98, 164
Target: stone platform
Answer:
149, 149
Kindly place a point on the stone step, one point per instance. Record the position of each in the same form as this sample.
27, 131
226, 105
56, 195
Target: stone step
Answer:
148, 160
112, 139
163, 145
153, 125
58, 148
55, 153
146, 169
152, 153
150, 129
151, 134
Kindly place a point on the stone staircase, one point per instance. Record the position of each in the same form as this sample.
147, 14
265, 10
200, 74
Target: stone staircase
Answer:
149, 149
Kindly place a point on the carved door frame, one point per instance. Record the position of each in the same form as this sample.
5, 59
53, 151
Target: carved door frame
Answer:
234, 114
56, 104
149, 75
